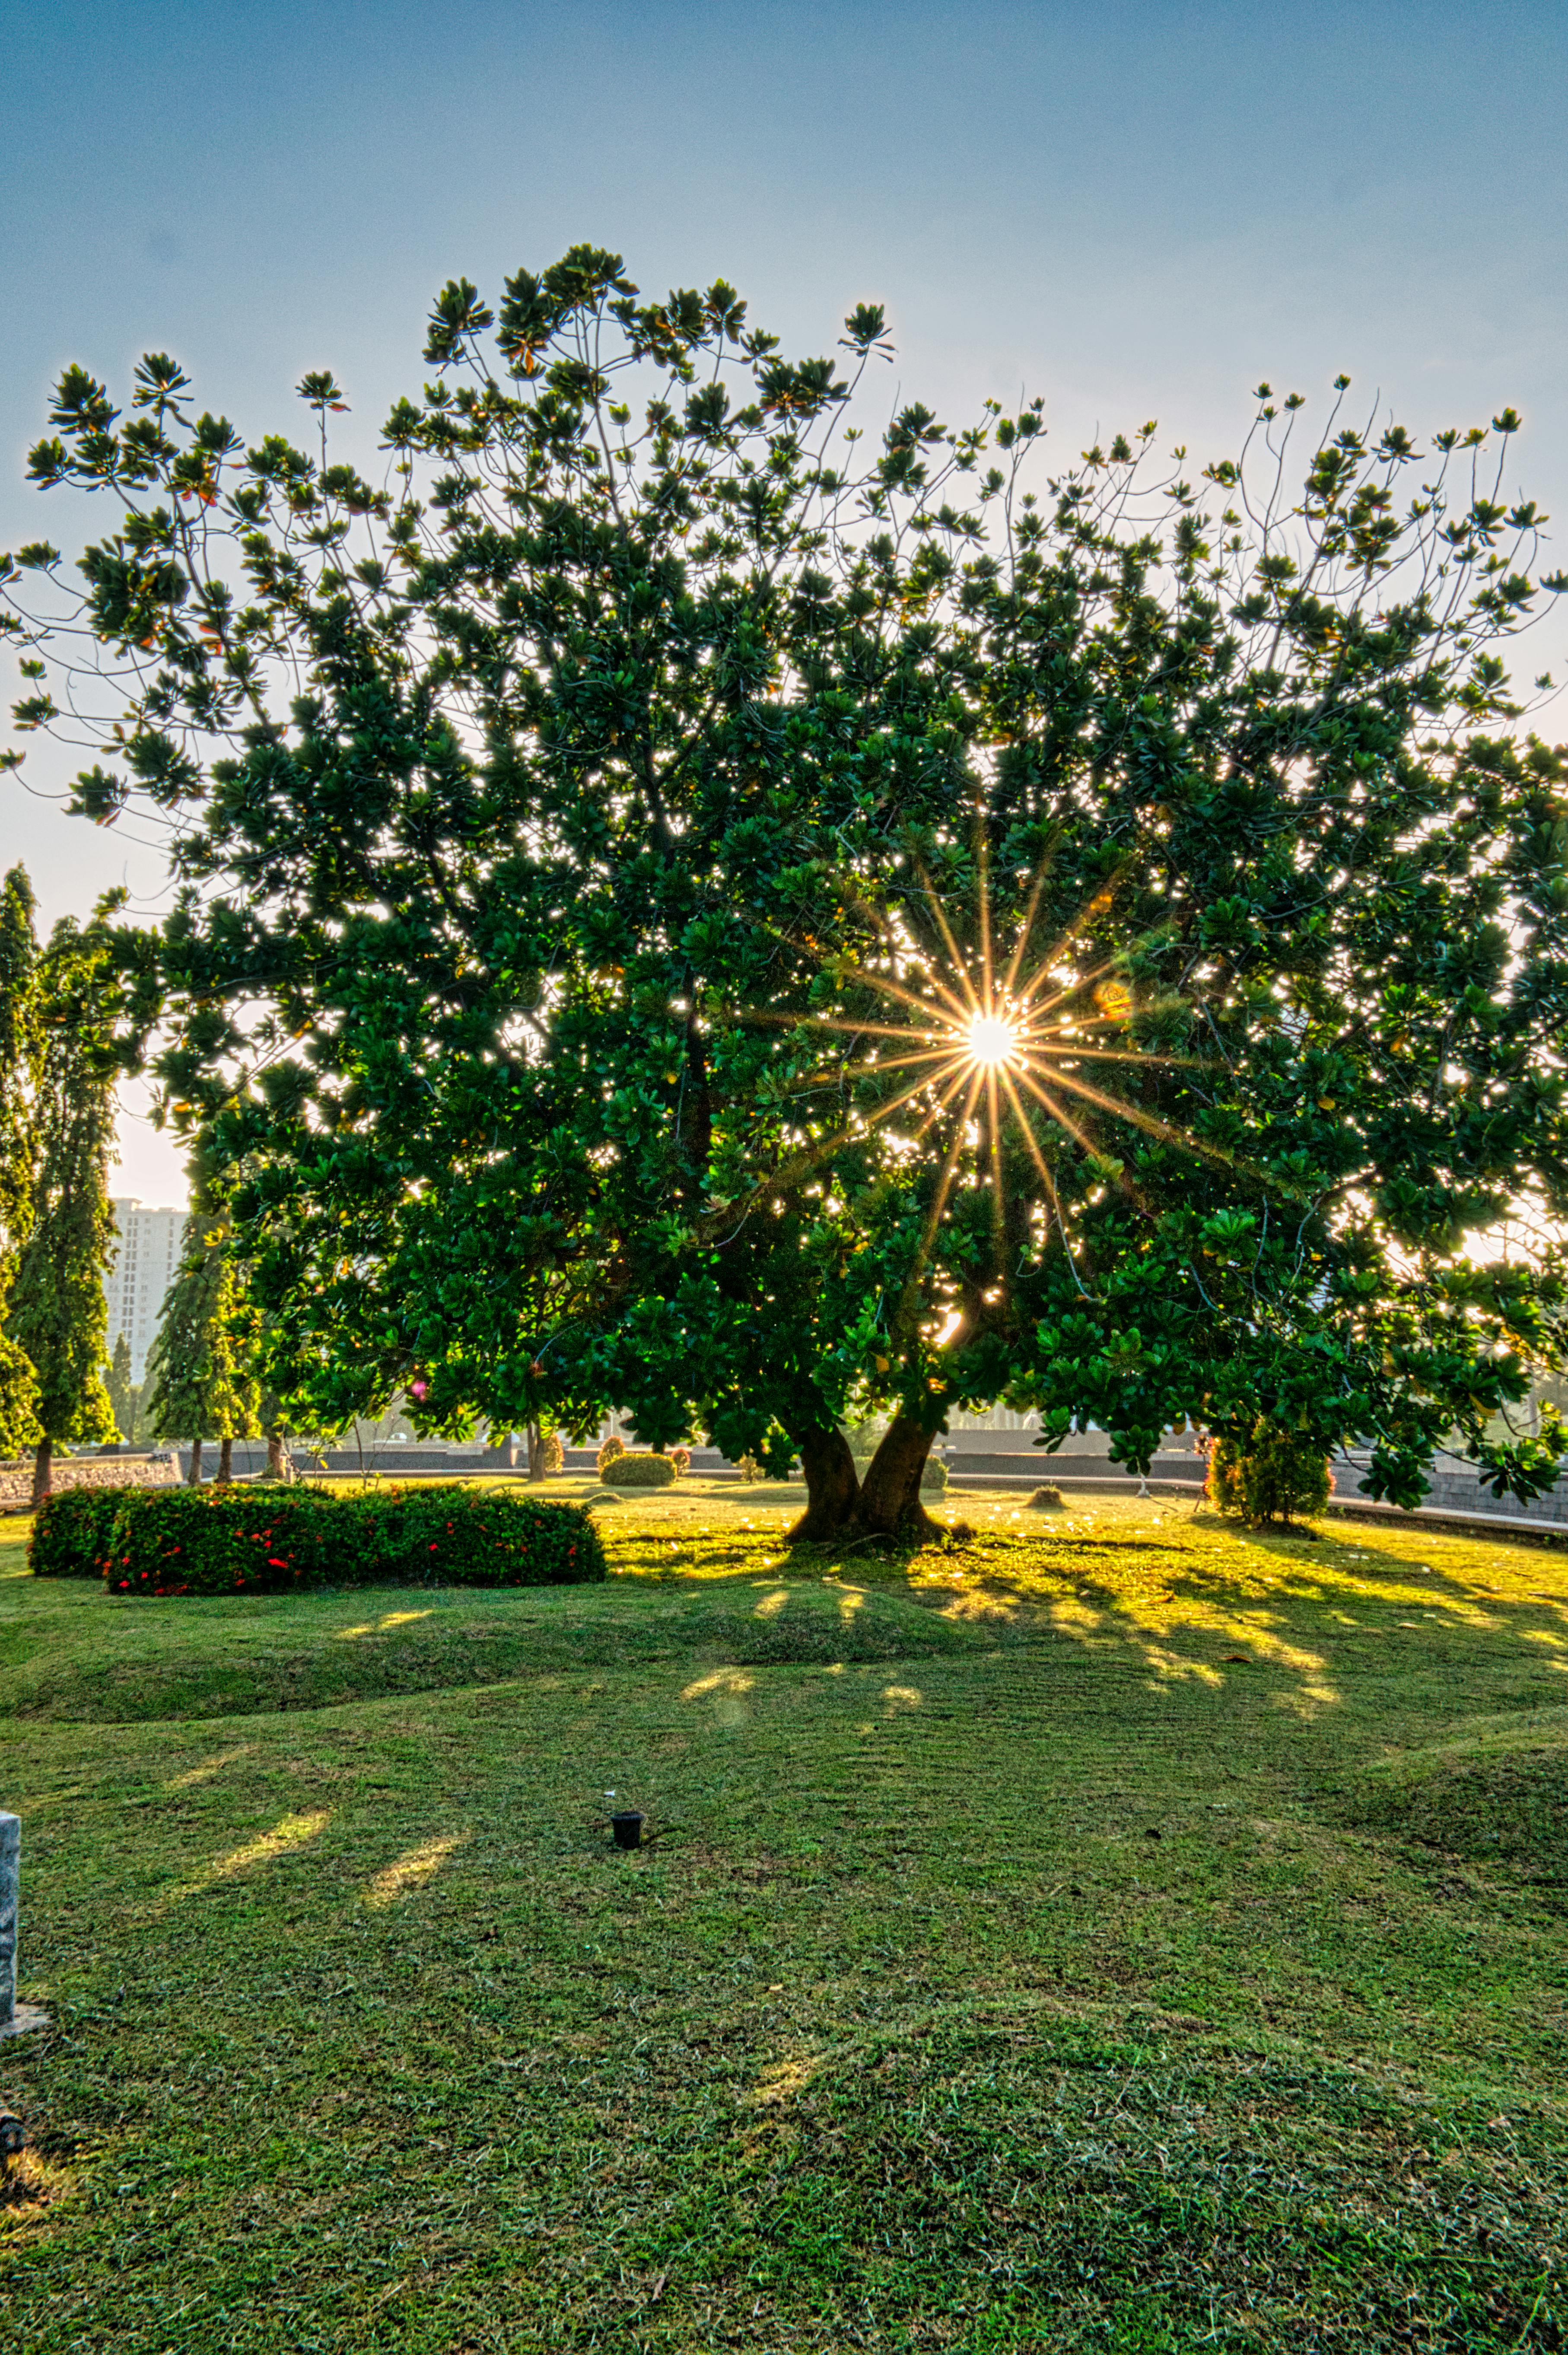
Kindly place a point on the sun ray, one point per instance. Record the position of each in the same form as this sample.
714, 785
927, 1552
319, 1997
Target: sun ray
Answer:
1043, 971
1121, 1055
959, 967
1063, 1119
832, 1074
998, 1212
844, 1023
983, 864
1095, 907
959, 1011
791, 1173
1137, 1116
1047, 1180
1031, 909
939, 1200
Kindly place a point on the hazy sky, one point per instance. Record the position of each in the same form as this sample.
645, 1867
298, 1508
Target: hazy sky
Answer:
1136, 211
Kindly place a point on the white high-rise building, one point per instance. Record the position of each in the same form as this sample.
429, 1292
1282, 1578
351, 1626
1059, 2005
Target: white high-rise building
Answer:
139, 1274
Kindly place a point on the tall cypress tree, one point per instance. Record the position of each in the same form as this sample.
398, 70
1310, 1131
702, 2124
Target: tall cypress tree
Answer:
58, 1312
198, 1382
18, 1157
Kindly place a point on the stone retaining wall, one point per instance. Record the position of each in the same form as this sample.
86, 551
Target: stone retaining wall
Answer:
160, 1471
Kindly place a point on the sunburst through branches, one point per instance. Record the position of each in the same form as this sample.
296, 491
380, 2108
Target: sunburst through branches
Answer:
980, 1051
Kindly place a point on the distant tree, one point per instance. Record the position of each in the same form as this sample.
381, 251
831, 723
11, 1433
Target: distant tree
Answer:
18, 1145
200, 1380
59, 1314
123, 1392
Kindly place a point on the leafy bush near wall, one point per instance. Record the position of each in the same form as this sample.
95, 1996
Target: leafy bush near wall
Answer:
234, 1542
609, 1453
1268, 1478
933, 1478
629, 1471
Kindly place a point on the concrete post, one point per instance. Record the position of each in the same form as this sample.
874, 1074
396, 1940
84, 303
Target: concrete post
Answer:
10, 1901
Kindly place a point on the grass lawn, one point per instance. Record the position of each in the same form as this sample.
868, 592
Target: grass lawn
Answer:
1105, 1932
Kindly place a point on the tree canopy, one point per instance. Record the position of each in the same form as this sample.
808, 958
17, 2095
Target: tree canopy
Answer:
690, 908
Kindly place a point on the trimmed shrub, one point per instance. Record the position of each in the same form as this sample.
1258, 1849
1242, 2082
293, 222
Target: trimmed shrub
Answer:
1268, 1476
1047, 1498
933, 1478
637, 1471
609, 1452
223, 1541
552, 1453
681, 1458
71, 1533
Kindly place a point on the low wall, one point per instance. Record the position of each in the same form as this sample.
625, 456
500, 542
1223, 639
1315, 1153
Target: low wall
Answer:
156, 1471
1457, 1488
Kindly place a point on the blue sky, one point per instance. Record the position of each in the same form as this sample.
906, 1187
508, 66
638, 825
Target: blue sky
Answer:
1135, 210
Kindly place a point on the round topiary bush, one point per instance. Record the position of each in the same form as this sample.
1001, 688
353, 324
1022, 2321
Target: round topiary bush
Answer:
553, 1454
934, 1478
1267, 1475
639, 1471
1048, 1498
609, 1452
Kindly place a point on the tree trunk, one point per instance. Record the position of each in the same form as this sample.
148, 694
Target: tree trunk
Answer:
832, 1488
193, 1477
42, 1465
276, 1468
536, 1452
225, 1460
889, 1502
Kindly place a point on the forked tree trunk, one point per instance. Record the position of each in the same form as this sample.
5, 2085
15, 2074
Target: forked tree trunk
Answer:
43, 1465
225, 1460
889, 1502
193, 1477
832, 1488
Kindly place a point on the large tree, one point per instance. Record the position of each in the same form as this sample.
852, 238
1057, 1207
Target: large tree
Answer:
58, 1312
597, 817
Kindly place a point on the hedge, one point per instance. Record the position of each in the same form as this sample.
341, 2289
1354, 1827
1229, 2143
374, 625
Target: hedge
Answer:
266, 1540
70, 1534
637, 1472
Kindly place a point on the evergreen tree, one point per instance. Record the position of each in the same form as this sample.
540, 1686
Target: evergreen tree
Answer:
18, 1055
58, 1311
122, 1389
198, 1383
